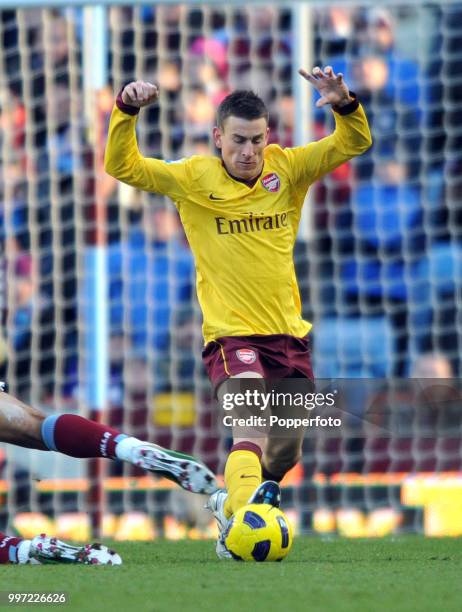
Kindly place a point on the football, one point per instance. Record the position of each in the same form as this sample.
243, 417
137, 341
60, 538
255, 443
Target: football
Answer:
259, 532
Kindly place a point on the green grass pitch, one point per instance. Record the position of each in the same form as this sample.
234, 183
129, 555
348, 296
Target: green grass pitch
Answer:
396, 574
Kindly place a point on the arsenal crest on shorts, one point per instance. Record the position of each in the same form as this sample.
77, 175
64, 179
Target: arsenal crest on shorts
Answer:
247, 356
271, 182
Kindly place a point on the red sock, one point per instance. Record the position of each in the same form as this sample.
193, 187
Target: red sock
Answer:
79, 437
9, 548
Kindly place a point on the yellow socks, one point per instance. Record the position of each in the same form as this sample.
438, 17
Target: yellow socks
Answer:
242, 475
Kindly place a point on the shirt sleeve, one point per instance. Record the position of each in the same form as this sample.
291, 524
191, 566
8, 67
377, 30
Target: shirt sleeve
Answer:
124, 161
350, 138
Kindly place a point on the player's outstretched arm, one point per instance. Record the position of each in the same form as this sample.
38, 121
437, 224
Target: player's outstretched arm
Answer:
123, 159
351, 137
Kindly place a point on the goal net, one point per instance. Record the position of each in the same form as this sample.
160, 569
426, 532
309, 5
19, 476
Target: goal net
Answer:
97, 298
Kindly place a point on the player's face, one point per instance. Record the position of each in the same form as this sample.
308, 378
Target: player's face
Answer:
242, 143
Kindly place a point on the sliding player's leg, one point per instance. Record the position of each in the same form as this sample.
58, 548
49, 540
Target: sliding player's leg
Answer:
79, 437
43, 549
20, 424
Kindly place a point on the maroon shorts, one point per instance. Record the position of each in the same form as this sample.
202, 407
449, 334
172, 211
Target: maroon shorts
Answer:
273, 357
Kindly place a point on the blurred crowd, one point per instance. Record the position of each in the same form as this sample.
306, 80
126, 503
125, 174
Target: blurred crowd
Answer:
383, 258
388, 226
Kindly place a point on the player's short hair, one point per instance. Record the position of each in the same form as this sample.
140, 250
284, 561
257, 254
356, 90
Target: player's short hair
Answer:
244, 104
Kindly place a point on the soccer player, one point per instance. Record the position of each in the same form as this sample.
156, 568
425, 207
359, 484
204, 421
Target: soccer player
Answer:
76, 436
241, 213
73, 435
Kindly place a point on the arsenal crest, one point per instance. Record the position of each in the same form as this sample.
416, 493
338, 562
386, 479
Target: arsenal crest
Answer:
247, 356
271, 182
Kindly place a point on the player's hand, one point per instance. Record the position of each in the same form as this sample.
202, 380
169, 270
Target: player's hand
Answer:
331, 86
140, 93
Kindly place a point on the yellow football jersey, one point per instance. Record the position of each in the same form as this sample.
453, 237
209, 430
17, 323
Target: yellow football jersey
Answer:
241, 237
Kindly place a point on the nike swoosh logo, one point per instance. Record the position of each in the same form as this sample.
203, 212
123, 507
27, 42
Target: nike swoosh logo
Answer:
245, 476
212, 197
